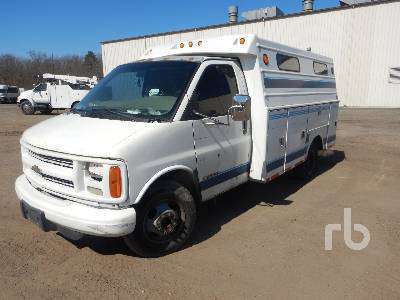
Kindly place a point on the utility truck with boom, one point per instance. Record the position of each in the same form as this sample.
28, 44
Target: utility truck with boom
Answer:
159, 136
55, 92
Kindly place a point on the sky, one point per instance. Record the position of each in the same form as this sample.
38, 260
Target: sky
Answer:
77, 26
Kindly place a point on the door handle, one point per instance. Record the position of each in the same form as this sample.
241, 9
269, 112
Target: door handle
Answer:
282, 142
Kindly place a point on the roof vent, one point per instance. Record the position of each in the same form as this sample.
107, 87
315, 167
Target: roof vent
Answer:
308, 5
233, 14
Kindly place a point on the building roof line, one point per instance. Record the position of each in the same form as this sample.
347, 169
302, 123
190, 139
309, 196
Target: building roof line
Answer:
299, 14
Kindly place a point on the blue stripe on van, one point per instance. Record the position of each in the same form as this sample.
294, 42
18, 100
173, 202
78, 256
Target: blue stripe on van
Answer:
275, 164
289, 158
277, 116
283, 83
295, 155
298, 112
224, 176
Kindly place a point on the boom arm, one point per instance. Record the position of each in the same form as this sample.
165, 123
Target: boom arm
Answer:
72, 79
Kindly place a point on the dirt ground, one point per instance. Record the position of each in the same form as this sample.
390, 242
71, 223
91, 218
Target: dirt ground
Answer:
257, 241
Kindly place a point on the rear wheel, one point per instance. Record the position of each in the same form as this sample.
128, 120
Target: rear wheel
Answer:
27, 108
165, 221
309, 168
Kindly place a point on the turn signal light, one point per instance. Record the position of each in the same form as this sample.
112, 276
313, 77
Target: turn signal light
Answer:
115, 182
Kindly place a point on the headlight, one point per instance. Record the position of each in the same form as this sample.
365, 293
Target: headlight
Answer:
103, 180
95, 171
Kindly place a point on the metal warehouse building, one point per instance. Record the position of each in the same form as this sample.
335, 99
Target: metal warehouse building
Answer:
363, 40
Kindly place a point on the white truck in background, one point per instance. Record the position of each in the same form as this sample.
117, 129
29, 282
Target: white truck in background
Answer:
8, 93
55, 92
157, 137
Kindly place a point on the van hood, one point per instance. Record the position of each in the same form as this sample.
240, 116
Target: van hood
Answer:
84, 136
25, 95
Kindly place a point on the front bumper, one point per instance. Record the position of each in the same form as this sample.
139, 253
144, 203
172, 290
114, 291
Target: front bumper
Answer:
75, 216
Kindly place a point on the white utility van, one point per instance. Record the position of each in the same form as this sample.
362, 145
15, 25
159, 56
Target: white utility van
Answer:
159, 136
55, 92
8, 93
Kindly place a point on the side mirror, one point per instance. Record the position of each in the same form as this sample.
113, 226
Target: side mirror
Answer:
240, 111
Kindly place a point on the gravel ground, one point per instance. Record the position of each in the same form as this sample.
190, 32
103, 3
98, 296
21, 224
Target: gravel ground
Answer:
257, 241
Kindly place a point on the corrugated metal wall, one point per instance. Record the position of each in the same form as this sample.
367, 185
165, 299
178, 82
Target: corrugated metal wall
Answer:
364, 43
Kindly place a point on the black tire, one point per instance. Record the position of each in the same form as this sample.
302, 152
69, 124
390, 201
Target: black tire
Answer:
309, 169
27, 108
164, 221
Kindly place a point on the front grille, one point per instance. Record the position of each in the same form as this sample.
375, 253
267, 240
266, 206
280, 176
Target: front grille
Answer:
61, 181
62, 162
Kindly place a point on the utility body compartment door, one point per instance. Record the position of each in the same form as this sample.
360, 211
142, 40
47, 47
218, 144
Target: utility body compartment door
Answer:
222, 146
297, 136
61, 97
276, 142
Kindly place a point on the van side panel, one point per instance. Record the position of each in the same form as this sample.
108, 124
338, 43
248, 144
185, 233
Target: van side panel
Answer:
301, 106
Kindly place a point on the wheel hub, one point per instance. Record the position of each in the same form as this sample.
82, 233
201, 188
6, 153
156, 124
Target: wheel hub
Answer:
163, 220
166, 222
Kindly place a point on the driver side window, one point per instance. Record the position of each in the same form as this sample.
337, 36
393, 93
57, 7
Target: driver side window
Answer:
215, 90
41, 87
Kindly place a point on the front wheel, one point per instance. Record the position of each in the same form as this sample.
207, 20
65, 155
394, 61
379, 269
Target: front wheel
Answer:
165, 221
27, 108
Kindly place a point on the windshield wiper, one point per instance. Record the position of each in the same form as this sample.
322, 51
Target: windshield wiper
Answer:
103, 112
115, 112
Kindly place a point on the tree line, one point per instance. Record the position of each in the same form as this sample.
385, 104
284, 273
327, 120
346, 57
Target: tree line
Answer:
24, 71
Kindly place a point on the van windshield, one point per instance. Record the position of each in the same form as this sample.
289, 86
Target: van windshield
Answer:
144, 90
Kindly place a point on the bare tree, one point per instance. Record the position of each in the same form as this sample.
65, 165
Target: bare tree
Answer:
24, 71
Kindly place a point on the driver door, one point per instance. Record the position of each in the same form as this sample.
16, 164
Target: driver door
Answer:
40, 94
222, 146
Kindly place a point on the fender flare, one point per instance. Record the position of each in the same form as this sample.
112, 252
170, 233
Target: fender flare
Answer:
27, 100
158, 175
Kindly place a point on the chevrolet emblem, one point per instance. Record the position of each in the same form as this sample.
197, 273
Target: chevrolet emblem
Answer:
36, 170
